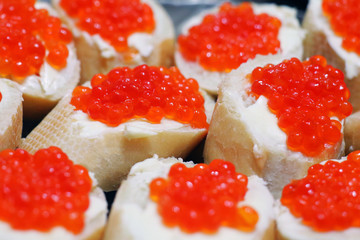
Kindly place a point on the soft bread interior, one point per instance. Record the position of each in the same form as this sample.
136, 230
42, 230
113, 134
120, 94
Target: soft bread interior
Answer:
134, 216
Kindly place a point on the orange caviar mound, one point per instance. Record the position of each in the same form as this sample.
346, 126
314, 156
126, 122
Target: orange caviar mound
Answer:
328, 198
146, 92
26, 35
344, 19
43, 191
113, 20
225, 40
203, 198
0, 96
306, 97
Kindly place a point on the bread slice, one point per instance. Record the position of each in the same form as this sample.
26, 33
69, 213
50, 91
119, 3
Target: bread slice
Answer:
290, 36
321, 40
244, 132
134, 216
98, 56
110, 152
11, 112
41, 92
95, 219
290, 227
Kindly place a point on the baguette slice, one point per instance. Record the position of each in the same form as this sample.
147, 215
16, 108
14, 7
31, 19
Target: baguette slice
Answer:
98, 56
244, 132
41, 92
321, 40
95, 219
11, 112
110, 152
134, 216
290, 36
290, 227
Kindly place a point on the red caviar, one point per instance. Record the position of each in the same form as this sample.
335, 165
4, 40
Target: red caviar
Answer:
143, 92
305, 98
344, 19
43, 191
203, 198
225, 40
26, 34
113, 20
328, 198
0, 96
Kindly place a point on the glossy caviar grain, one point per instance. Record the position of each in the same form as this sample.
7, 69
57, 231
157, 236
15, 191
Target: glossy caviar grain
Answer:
344, 19
309, 98
225, 40
203, 198
113, 20
328, 198
43, 191
146, 92
26, 35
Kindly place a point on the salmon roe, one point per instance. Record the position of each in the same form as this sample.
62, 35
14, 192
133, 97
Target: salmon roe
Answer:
113, 20
0, 96
328, 198
27, 37
308, 99
203, 198
344, 19
225, 40
143, 92
43, 191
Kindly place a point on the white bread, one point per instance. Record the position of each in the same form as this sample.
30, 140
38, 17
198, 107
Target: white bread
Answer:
97, 56
244, 132
11, 113
42, 92
321, 40
290, 36
110, 152
291, 228
134, 216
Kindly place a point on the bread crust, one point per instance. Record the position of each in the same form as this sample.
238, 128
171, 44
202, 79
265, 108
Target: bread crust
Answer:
290, 37
93, 51
111, 153
134, 192
11, 112
231, 137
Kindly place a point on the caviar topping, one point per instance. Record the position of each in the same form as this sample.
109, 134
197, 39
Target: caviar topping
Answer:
113, 20
203, 198
344, 19
225, 40
308, 98
0, 96
143, 92
26, 35
43, 191
328, 198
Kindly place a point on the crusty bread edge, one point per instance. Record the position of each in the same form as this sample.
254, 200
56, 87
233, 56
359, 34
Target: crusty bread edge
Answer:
111, 154
11, 121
